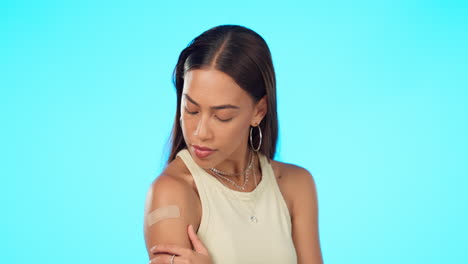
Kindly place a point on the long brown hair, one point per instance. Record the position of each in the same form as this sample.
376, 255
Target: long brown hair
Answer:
242, 54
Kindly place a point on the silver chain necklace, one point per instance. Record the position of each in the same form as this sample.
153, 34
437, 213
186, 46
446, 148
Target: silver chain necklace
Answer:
253, 218
246, 178
235, 184
235, 174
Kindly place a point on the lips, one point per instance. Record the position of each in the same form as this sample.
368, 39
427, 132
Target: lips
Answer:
202, 152
202, 148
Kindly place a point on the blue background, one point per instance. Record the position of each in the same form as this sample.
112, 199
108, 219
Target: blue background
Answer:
372, 100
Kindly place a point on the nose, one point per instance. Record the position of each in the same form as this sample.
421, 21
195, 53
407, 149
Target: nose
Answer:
203, 131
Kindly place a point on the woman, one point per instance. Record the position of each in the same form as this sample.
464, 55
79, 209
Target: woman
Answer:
221, 198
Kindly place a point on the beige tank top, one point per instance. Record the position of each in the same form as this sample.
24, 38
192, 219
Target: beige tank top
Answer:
243, 227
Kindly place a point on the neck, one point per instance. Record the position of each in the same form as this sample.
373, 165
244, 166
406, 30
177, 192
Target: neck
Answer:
236, 165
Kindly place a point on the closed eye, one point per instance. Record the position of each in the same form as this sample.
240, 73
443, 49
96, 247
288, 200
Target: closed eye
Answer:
224, 120
196, 112
190, 113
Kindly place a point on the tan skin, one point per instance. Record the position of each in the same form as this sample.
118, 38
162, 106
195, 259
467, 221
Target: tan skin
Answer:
209, 120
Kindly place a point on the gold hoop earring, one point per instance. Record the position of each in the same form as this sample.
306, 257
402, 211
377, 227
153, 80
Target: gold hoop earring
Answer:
260, 142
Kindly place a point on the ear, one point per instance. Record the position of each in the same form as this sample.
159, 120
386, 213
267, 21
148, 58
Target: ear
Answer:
260, 110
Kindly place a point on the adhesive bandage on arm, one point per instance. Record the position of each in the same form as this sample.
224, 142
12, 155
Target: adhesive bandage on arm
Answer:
159, 214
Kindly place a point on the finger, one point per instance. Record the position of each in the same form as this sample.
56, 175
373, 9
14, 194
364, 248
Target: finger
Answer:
197, 243
170, 249
164, 259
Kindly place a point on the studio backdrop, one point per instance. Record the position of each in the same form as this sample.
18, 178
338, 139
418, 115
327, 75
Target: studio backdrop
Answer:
372, 100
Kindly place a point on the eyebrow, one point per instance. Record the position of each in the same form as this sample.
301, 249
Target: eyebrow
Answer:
217, 107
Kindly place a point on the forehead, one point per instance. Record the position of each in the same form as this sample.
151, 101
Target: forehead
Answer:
210, 87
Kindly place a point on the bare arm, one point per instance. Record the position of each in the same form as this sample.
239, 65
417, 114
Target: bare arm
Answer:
166, 191
305, 218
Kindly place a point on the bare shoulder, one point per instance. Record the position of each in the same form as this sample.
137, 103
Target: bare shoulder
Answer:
299, 184
175, 183
291, 174
171, 188
175, 180
294, 181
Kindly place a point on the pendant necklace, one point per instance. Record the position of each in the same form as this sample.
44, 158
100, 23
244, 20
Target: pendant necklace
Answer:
252, 217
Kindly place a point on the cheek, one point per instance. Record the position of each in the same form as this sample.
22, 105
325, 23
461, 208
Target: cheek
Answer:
187, 127
189, 123
234, 132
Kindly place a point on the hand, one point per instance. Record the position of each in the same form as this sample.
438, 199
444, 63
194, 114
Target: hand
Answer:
182, 255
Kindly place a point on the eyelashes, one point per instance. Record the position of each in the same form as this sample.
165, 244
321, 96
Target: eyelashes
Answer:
224, 120
194, 113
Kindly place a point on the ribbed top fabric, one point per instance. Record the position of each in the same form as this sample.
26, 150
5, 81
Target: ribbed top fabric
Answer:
243, 227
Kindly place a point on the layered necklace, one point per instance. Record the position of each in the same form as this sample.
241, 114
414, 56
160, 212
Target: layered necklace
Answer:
221, 174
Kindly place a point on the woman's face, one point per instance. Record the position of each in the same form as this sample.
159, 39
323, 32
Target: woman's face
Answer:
216, 113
